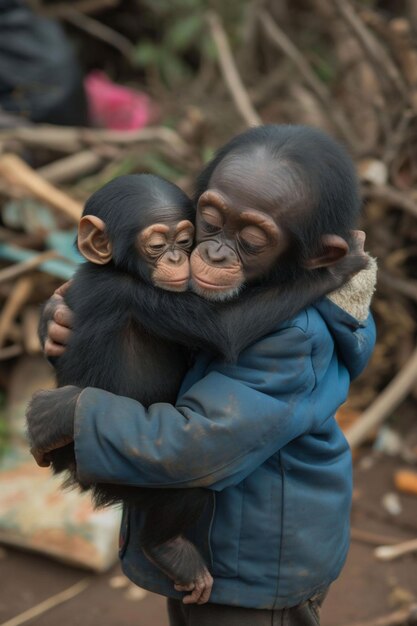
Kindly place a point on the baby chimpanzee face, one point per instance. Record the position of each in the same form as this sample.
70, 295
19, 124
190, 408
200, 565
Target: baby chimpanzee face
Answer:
166, 249
142, 225
238, 235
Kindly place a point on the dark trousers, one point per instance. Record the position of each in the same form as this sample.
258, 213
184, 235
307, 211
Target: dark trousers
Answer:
306, 614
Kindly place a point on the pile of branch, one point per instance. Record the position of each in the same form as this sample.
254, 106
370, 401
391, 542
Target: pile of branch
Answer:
371, 105
353, 72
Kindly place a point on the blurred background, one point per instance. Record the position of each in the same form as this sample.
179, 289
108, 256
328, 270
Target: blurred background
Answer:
92, 89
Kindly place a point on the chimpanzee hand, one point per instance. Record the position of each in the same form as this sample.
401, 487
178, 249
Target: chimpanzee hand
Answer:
355, 261
56, 323
50, 421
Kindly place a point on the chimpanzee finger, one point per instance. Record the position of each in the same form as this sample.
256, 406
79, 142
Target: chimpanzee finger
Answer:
64, 316
62, 290
205, 595
207, 587
52, 349
193, 597
202, 591
41, 458
58, 334
179, 587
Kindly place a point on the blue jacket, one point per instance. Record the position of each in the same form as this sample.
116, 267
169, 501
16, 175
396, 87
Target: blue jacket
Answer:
261, 435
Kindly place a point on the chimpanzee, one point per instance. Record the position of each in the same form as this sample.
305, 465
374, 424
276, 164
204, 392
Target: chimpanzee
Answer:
135, 230
275, 209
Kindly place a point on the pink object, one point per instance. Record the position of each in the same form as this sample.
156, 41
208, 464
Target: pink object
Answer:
115, 107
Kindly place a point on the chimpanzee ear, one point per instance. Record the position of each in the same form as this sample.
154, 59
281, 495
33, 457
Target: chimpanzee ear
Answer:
93, 241
334, 249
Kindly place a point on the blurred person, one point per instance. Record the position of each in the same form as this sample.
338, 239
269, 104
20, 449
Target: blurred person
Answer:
40, 78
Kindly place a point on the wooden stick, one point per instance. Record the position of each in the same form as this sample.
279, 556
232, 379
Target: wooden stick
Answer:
83, 6
385, 403
230, 73
10, 352
30, 324
389, 553
390, 195
17, 298
404, 286
73, 139
411, 10
71, 167
99, 31
364, 536
49, 603
397, 618
371, 46
18, 269
282, 41
18, 174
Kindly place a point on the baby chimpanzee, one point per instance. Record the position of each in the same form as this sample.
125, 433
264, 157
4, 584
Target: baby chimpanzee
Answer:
136, 230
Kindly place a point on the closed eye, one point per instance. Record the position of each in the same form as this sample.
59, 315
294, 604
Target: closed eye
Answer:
210, 228
249, 247
185, 242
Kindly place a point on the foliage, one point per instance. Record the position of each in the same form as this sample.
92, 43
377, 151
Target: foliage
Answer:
183, 41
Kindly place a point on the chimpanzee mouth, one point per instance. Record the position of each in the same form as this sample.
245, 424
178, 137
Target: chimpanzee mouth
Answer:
173, 285
212, 286
209, 293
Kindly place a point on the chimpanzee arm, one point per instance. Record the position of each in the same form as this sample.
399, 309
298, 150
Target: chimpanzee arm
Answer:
228, 328
258, 312
55, 323
47, 313
222, 427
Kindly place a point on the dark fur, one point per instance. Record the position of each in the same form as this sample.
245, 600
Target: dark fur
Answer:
111, 349
128, 334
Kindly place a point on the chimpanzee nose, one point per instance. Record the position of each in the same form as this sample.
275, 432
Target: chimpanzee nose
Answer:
176, 257
216, 256
219, 254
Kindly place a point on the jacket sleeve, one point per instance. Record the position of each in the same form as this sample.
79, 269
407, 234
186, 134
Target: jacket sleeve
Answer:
220, 430
355, 296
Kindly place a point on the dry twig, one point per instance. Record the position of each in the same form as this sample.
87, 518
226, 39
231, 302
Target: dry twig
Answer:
282, 41
364, 536
12, 272
11, 352
73, 139
30, 324
71, 167
397, 618
385, 403
24, 179
49, 603
230, 73
376, 53
98, 30
17, 298
389, 553
82, 6
407, 288
389, 195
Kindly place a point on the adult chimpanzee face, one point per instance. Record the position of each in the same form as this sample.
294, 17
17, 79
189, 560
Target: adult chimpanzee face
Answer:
238, 236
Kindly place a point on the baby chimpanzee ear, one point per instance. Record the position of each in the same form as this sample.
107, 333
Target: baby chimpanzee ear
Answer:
93, 241
334, 248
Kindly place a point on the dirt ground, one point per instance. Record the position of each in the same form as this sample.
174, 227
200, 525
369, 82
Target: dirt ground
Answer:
366, 589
